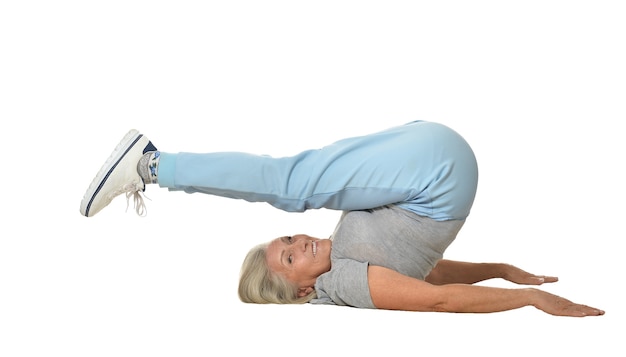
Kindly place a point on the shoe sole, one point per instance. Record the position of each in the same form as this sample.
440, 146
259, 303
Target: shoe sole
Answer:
127, 143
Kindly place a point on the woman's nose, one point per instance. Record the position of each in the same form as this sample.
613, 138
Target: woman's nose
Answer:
301, 241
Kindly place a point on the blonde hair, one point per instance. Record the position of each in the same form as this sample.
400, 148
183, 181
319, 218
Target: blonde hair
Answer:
259, 285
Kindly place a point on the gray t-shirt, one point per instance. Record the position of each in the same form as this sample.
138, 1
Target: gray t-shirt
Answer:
388, 236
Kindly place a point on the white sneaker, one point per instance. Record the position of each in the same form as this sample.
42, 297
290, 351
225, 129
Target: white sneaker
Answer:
119, 175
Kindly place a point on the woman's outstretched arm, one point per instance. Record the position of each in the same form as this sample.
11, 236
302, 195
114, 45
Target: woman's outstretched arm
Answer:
394, 291
452, 272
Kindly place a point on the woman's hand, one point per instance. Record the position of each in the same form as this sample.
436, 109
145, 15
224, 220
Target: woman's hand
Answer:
558, 306
519, 276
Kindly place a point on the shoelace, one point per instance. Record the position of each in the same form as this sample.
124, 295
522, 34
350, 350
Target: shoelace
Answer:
134, 190
138, 203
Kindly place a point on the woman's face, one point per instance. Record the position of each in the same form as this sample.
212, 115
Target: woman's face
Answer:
300, 259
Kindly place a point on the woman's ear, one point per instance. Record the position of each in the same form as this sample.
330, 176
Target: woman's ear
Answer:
302, 292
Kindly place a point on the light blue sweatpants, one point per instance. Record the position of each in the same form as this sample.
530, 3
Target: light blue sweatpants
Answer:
422, 166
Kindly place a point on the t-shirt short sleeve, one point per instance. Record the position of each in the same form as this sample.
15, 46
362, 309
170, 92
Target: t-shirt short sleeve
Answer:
346, 285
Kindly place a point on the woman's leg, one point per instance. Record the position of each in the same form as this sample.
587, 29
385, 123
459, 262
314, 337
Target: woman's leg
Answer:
423, 167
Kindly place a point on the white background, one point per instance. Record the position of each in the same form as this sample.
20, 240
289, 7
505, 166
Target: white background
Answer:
536, 87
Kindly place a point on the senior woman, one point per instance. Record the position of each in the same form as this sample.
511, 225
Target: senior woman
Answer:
405, 193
